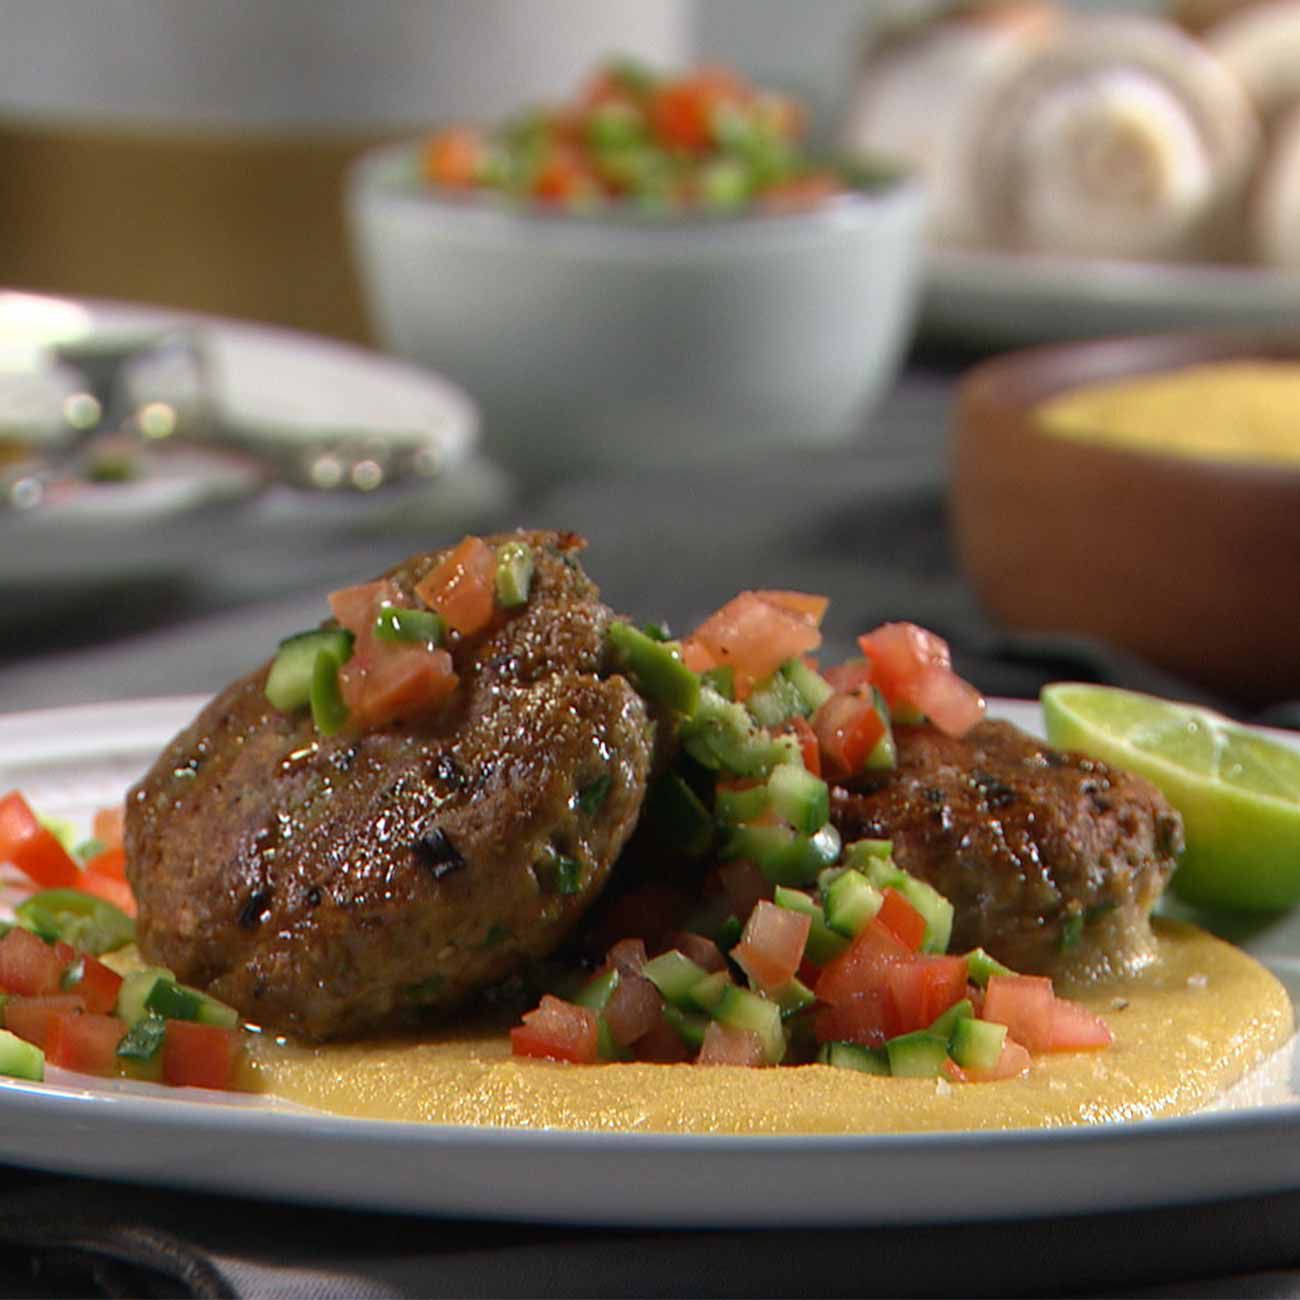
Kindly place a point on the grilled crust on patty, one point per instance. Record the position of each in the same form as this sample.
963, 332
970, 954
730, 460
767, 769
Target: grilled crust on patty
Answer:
339, 886
1049, 858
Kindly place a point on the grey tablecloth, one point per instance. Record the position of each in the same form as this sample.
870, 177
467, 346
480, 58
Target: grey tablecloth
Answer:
866, 525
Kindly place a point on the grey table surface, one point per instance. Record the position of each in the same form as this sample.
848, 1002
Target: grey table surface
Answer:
867, 525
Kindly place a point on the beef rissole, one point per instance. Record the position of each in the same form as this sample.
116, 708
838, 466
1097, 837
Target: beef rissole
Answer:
334, 886
1052, 861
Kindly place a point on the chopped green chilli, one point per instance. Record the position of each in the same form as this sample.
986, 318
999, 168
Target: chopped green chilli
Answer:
397, 624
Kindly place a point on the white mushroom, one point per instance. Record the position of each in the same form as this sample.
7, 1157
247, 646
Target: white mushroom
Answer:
920, 93
1260, 46
1275, 201
1125, 138
1109, 135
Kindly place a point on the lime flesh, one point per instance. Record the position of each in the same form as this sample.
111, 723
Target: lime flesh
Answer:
1238, 790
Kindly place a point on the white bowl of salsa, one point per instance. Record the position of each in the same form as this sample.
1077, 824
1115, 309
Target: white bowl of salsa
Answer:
604, 327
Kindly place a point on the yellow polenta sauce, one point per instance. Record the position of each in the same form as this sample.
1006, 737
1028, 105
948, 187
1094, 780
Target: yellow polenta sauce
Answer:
1187, 1027
1228, 410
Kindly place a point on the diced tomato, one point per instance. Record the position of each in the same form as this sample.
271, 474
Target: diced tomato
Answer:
924, 989
453, 157
31, 847
771, 944
1024, 1004
356, 607
810, 749
703, 952
562, 178
195, 1055
697, 657
754, 636
98, 986
108, 825
850, 676
726, 1045
627, 956
901, 919
805, 605
1074, 1028
1013, 1061
110, 862
396, 682
558, 1031
661, 1044
855, 988
28, 965
84, 1041
913, 667
848, 728
111, 890
682, 113
745, 885
633, 1009
30, 1018
462, 587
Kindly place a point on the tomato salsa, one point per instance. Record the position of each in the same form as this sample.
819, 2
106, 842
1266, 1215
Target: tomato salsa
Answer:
705, 140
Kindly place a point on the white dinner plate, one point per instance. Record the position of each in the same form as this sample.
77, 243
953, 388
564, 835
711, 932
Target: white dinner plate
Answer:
280, 391
1012, 299
71, 761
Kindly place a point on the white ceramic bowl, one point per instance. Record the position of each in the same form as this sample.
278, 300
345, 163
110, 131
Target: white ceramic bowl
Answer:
598, 340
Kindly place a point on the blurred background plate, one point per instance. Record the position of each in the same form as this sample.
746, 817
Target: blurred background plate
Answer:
217, 520
994, 299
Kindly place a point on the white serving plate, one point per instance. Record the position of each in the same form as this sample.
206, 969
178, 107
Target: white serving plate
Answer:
70, 761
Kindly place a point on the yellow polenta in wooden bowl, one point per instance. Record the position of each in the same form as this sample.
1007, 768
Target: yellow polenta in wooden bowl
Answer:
1143, 491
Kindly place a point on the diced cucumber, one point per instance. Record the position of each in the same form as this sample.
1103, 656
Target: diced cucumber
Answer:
690, 1025
77, 918
784, 856
708, 992
823, 943
854, 1056
656, 668
597, 991
674, 974
399, 625
932, 905
943, 1025
325, 696
851, 902
723, 736
979, 966
514, 574
793, 997
775, 700
869, 855
742, 1009
153, 991
135, 990
813, 688
20, 1059
977, 1044
884, 754
288, 684
144, 1040
918, 1055
721, 679
799, 797
731, 806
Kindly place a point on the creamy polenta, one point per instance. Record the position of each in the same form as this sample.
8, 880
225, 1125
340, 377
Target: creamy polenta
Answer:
1187, 1027
1227, 410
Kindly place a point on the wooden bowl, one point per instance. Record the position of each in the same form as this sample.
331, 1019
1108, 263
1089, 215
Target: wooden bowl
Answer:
1193, 564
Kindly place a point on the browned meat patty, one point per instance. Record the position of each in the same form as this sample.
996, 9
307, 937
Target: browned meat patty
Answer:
1046, 856
338, 886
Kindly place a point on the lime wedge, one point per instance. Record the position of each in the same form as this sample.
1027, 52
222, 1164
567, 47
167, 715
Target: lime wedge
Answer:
1237, 789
